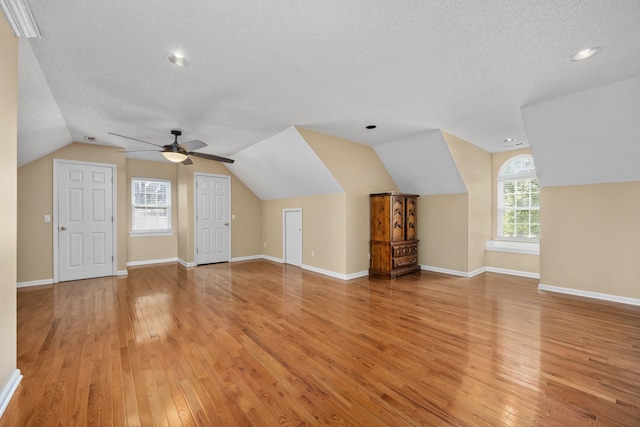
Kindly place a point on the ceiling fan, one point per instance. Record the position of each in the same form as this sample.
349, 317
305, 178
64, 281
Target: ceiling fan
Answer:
178, 153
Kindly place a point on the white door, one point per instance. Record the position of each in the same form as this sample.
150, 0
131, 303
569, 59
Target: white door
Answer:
293, 236
212, 219
85, 221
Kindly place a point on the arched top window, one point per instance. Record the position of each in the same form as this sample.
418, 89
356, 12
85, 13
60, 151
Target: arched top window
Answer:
517, 166
518, 200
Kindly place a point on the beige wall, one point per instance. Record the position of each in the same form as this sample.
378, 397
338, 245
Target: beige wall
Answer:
36, 236
360, 172
8, 195
511, 261
185, 216
443, 230
246, 229
474, 165
323, 230
590, 238
146, 248
35, 199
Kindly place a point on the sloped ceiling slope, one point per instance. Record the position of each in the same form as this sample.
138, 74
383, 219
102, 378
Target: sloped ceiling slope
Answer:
333, 66
283, 166
587, 137
422, 164
40, 122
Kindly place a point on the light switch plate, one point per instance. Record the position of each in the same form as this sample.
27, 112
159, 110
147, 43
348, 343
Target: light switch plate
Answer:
47, 218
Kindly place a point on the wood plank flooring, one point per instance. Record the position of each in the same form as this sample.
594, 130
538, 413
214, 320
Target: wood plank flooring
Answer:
263, 344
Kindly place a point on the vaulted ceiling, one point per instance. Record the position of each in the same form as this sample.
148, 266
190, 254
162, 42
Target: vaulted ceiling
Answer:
257, 68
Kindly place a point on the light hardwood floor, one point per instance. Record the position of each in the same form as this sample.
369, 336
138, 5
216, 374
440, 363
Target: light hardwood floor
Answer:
259, 343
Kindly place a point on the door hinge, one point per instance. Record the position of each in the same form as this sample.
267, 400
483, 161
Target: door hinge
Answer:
113, 258
111, 219
197, 251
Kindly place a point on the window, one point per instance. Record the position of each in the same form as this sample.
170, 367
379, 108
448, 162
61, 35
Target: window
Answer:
150, 205
518, 200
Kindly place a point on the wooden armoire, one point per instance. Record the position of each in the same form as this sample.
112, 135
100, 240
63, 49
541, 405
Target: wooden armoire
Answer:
394, 234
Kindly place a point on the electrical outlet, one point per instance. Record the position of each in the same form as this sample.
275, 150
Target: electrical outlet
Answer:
313, 253
265, 244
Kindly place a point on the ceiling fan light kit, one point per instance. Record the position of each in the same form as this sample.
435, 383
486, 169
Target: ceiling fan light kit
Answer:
174, 156
179, 153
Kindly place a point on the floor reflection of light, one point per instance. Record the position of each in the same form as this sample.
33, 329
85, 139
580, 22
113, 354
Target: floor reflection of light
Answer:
154, 316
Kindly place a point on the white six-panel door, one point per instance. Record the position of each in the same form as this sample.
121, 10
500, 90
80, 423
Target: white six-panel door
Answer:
212, 219
84, 221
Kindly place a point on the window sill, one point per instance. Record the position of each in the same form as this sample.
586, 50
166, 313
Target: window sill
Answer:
150, 233
528, 248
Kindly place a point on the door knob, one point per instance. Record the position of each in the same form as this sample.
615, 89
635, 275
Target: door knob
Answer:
63, 228
226, 224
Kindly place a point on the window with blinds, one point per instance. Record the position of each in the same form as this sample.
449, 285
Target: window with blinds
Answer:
150, 205
518, 200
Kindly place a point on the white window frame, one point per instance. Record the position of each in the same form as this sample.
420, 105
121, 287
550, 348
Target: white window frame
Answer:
156, 231
518, 176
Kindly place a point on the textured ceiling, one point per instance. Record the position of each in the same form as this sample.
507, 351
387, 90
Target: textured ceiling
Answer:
422, 164
283, 166
332, 66
588, 137
42, 128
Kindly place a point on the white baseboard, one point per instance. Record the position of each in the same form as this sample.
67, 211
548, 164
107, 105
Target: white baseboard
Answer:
9, 389
34, 283
357, 275
151, 261
247, 258
186, 264
479, 271
447, 271
274, 259
122, 273
323, 271
333, 273
588, 294
513, 272
318, 270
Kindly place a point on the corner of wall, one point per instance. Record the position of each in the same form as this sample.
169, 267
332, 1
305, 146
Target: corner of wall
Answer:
8, 213
475, 168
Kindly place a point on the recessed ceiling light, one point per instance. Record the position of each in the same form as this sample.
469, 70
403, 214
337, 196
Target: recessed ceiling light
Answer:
584, 54
509, 140
177, 59
371, 127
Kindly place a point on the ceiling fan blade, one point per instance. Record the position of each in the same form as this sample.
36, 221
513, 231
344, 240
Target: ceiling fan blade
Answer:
187, 162
134, 139
211, 157
140, 151
193, 145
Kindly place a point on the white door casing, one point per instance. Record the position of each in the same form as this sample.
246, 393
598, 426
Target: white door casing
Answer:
292, 236
213, 212
84, 220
